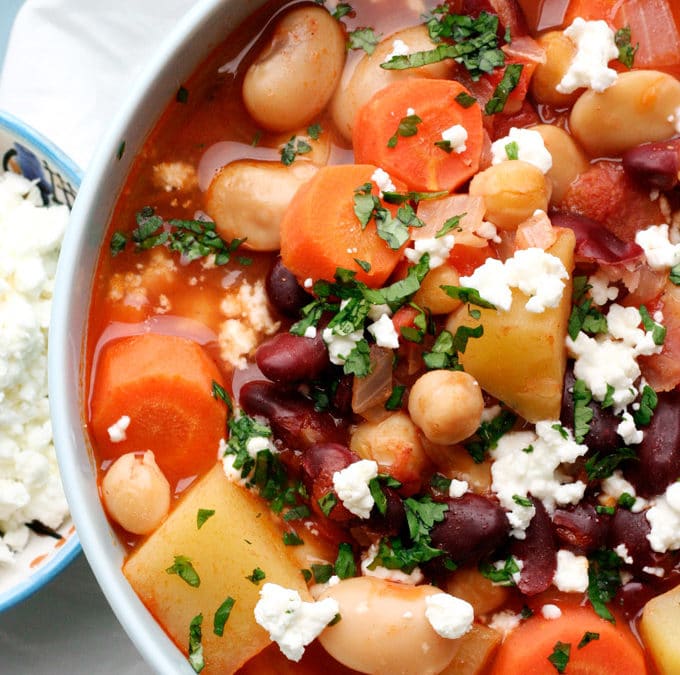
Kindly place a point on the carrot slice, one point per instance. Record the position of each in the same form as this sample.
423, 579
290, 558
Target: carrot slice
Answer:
613, 652
163, 383
415, 159
320, 231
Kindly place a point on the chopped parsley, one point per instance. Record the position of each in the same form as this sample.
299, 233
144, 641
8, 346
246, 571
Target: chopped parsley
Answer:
327, 502
222, 616
440, 483
363, 38
584, 317
322, 573
445, 146
298, 512
674, 275
583, 413
598, 467
560, 656
626, 500
502, 575
447, 347
467, 295
604, 580
345, 567
121, 151
512, 150
342, 9
182, 95
314, 131
396, 398
256, 576
648, 402
183, 568
220, 393
117, 243
605, 510
450, 224
408, 126
465, 100
656, 329
295, 146
202, 516
195, 647
587, 638
489, 433
292, 539
626, 49
522, 501
505, 87
363, 264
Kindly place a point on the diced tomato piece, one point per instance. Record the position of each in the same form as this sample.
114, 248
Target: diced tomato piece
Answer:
466, 259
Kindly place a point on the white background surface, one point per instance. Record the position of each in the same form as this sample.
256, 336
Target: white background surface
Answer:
67, 67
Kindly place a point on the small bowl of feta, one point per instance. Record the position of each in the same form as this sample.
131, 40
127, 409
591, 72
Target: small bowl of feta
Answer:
38, 185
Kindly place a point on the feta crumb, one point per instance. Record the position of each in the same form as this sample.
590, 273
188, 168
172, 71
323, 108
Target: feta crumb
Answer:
530, 148
117, 430
622, 551
458, 488
256, 444
310, 332
488, 230
630, 434
450, 617
571, 574
340, 346
382, 179
399, 48
384, 332
655, 571
308, 282
369, 570
290, 622
457, 136
410, 111
595, 48
664, 519
437, 247
660, 252
550, 611
171, 176
490, 413
615, 485
505, 622
601, 292
233, 474
351, 486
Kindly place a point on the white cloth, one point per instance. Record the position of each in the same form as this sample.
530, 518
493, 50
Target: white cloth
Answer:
70, 64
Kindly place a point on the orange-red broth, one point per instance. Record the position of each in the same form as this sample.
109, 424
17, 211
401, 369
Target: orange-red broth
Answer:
135, 293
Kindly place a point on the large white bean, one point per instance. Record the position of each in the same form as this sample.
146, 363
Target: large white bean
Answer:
641, 106
247, 199
383, 629
368, 77
294, 76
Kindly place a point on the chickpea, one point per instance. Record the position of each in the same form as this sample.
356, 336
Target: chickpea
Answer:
570, 160
559, 53
447, 405
135, 492
368, 77
512, 191
430, 294
639, 107
247, 199
394, 443
294, 76
384, 629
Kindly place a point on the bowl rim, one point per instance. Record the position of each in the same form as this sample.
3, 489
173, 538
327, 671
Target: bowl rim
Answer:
63, 556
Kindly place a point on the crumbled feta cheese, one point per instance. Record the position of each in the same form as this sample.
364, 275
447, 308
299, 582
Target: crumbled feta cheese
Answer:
530, 148
170, 176
654, 571
630, 434
488, 230
308, 282
117, 430
490, 413
660, 252
438, 248
622, 551
457, 136
351, 486
377, 311
30, 488
536, 273
595, 48
458, 488
601, 292
310, 332
340, 346
664, 519
550, 612
505, 622
518, 473
290, 622
382, 179
450, 617
368, 569
615, 485
399, 48
571, 574
233, 474
256, 444
384, 332
410, 111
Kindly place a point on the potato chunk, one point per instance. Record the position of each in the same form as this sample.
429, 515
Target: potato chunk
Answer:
239, 537
659, 630
521, 357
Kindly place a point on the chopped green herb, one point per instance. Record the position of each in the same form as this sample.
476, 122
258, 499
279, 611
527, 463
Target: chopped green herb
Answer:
222, 616
467, 295
584, 317
657, 330
257, 136
505, 87
588, 637
583, 413
307, 575
345, 567
450, 224
512, 150
341, 9
489, 433
256, 576
561, 430
465, 100
378, 496
363, 38
327, 502
626, 49
365, 266
440, 483
445, 146
202, 516
502, 575
447, 347
604, 580
408, 126
526, 612
314, 131
182, 95
117, 244
395, 401
529, 449
185, 570
335, 620
598, 467
297, 513
626, 500
605, 510
522, 501
292, 539
648, 403
674, 275
219, 392
121, 150
358, 362
295, 146
608, 400
195, 647
560, 656
322, 573
415, 197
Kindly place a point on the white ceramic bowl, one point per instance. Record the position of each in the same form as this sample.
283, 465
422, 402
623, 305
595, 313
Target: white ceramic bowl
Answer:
207, 24
24, 150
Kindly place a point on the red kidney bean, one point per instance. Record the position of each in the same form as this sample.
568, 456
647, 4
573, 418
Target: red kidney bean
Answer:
474, 526
602, 436
656, 164
292, 417
284, 291
538, 552
288, 358
580, 528
659, 452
